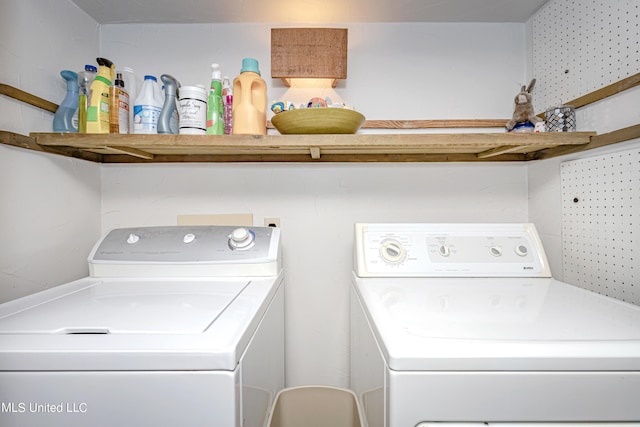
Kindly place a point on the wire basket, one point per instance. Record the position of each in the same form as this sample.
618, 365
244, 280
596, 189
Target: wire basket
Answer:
560, 119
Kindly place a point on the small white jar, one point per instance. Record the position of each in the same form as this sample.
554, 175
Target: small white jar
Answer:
193, 110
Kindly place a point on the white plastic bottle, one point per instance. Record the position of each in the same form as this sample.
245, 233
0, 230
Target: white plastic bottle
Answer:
131, 85
147, 107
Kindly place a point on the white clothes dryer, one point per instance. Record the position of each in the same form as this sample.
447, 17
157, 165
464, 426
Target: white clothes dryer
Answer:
175, 326
463, 323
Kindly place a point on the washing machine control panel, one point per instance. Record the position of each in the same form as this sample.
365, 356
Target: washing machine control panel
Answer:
449, 250
218, 248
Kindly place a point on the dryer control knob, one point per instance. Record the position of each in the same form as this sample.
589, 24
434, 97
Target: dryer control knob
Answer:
521, 250
241, 238
495, 251
444, 250
133, 238
392, 251
189, 238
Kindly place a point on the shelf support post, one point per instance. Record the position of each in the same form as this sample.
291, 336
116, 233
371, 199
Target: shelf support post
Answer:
315, 152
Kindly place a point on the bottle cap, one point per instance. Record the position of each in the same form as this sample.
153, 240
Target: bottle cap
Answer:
90, 68
226, 86
148, 77
250, 65
216, 74
118, 81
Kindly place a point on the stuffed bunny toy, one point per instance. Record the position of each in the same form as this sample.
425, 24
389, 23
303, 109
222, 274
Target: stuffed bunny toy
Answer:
524, 108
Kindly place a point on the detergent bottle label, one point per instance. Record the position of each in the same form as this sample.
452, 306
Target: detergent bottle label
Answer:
145, 118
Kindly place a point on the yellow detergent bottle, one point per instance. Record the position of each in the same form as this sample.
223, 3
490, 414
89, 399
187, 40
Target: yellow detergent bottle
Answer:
98, 109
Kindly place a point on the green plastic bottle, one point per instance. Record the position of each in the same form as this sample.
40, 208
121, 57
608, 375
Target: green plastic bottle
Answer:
215, 109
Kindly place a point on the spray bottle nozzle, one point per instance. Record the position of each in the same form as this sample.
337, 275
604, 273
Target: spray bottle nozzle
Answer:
104, 62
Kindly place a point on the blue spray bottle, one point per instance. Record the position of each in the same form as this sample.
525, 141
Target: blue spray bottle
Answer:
63, 117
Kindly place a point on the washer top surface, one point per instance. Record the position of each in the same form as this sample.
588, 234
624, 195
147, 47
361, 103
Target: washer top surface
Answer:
126, 307
158, 298
429, 312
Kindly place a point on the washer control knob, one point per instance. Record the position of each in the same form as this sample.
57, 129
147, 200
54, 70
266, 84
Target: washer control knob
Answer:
495, 251
392, 251
241, 238
444, 250
189, 238
522, 250
133, 238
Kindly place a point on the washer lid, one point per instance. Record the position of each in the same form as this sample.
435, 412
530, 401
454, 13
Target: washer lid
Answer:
126, 307
134, 324
499, 324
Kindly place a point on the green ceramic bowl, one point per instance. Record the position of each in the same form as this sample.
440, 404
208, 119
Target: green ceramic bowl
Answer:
318, 121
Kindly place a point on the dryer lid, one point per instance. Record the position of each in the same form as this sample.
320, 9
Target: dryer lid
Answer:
517, 310
499, 324
126, 307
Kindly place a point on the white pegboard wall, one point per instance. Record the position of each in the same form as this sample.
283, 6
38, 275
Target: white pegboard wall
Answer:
601, 224
580, 46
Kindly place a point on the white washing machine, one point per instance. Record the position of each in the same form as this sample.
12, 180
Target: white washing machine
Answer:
176, 326
462, 323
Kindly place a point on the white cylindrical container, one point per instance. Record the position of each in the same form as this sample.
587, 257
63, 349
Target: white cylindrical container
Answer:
193, 110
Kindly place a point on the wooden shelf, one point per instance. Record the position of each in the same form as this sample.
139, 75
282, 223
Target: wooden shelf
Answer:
301, 148
429, 147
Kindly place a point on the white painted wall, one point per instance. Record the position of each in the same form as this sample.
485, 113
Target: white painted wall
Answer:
49, 205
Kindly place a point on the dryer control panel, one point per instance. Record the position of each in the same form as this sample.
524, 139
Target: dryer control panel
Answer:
187, 251
449, 250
